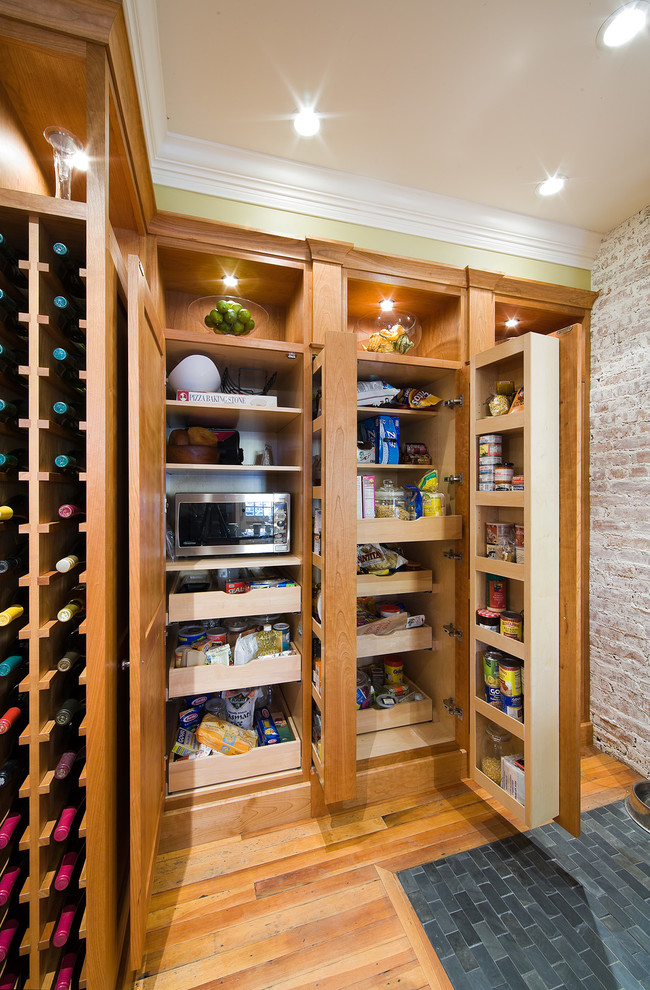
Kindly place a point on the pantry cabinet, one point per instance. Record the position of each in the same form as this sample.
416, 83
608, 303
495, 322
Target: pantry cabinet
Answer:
147, 273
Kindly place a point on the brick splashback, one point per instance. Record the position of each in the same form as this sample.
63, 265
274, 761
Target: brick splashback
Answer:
620, 494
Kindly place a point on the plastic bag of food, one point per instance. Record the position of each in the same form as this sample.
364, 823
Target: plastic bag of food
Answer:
240, 706
223, 737
375, 558
414, 398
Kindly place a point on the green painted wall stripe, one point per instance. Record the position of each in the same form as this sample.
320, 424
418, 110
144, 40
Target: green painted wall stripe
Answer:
367, 238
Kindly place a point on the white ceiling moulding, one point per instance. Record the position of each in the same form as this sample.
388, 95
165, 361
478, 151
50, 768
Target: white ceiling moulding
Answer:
249, 177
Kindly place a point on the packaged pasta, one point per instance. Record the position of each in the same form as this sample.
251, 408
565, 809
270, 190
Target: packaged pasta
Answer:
223, 737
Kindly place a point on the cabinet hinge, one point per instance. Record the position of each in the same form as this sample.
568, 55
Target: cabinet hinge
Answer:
454, 479
453, 554
456, 403
451, 630
449, 705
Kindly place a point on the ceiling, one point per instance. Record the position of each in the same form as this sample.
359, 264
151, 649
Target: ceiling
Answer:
429, 107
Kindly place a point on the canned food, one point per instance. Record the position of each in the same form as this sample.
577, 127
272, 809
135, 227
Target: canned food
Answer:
491, 660
487, 619
510, 678
393, 669
496, 592
493, 696
512, 626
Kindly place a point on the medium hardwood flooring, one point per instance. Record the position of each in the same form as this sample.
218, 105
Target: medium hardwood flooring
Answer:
316, 905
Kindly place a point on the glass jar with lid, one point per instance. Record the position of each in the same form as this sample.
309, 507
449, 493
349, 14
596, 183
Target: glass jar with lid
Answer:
391, 502
494, 747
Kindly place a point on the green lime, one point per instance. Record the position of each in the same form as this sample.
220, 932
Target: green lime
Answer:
244, 315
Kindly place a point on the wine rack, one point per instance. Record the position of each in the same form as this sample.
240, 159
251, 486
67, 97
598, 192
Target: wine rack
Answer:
42, 573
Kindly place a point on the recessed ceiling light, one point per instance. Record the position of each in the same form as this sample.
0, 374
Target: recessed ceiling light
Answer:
623, 25
230, 280
306, 122
386, 305
552, 185
512, 323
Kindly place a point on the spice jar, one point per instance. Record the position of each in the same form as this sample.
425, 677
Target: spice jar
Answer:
391, 502
494, 747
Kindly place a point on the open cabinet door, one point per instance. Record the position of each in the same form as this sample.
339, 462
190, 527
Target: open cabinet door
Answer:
147, 594
571, 586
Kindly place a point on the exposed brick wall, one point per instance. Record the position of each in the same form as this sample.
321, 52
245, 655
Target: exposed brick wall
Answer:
620, 494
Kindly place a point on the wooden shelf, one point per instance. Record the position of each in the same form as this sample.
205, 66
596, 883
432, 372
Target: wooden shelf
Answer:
399, 583
409, 530
405, 713
219, 604
399, 641
267, 419
218, 563
233, 468
279, 669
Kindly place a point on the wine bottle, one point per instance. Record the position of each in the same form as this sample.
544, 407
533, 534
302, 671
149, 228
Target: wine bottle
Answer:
7, 936
9, 263
9, 827
68, 710
67, 269
70, 862
14, 664
67, 368
16, 508
70, 511
14, 460
11, 410
70, 463
67, 414
72, 560
69, 965
16, 608
14, 872
69, 761
18, 560
70, 816
16, 711
9, 310
75, 605
67, 921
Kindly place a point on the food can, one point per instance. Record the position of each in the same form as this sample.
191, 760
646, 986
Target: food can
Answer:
393, 669
491, 660
493, 696
510, 678
283, 627
487, 619
496, 592
512, 626
189, 634
490, 448
514, 707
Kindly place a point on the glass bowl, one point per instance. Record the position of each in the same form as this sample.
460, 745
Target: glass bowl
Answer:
390, 333
200, 308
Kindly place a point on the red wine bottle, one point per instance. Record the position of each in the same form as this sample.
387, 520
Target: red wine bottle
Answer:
71, 511
10, 880
70, 864
69, 819
10, 826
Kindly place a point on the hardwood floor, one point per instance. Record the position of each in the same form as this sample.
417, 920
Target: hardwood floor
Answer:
316, 906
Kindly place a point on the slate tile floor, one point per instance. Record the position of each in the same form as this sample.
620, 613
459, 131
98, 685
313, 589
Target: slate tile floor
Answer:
542, 910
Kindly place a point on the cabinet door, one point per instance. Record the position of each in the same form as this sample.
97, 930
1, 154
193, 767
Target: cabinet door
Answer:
147, 594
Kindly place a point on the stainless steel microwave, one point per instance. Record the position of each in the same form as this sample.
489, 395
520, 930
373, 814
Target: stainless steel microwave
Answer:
211, 524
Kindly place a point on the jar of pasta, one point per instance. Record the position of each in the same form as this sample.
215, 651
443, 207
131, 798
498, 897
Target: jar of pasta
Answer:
391, 502
494, 747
